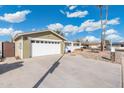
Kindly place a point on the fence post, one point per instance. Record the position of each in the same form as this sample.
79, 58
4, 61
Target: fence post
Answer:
112, 54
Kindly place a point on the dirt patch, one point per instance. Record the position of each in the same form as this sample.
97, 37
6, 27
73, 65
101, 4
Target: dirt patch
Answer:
102, 56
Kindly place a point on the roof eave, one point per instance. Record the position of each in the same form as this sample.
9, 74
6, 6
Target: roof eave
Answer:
22, 34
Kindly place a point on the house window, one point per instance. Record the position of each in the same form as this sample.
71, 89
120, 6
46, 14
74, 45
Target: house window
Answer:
53, 42
37, 41
122, 45
76, 44
68, 44
46, 42
32, 41
49, 42
41, 41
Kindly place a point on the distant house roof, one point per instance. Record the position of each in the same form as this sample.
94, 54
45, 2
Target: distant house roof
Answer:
34, 32
118, 43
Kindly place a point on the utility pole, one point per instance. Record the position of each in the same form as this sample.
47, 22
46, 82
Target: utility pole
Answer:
100, 6
104, 29
103, 26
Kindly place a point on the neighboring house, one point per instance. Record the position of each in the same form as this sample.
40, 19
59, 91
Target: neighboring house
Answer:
90, 45
78, 45
116, 46
40, 43
71, 46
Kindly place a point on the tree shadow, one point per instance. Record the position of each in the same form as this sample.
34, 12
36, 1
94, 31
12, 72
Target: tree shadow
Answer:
50, 71
8, 67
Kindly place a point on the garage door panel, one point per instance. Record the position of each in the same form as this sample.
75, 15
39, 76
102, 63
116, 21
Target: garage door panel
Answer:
40, 49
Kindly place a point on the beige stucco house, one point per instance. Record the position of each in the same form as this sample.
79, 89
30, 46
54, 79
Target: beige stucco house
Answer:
38, 43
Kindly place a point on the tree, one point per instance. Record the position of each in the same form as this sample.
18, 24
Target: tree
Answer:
77, 40
60, 33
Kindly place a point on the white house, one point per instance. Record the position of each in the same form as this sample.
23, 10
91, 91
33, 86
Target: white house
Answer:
71, 46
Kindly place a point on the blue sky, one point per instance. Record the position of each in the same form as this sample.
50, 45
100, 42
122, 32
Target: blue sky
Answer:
75, 21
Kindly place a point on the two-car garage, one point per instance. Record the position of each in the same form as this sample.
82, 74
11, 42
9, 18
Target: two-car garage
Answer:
38, 43
45, 47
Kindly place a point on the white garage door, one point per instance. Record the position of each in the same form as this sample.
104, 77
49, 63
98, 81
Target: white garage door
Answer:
44, 47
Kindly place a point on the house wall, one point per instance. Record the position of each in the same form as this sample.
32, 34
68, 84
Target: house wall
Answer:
94, 46
18, 47
26, 48
62, 47
45, 35
72, 46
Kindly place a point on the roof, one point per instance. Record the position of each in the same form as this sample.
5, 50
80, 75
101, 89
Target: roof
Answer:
34, 32
118, 43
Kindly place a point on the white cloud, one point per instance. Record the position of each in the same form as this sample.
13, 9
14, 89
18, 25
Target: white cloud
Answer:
5, 31
111, 31
56, 26
90, 39
114, 21
113, 35
71, 7
92, 25
9, 31
70, 29
88, 25
16, 32
76, 14
17, 17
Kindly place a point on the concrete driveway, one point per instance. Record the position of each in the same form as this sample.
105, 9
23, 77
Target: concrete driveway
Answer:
24, 73
50, 71
79, 72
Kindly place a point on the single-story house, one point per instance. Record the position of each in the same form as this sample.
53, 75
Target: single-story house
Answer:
72, 46
91, 45
38, 43
116, 46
